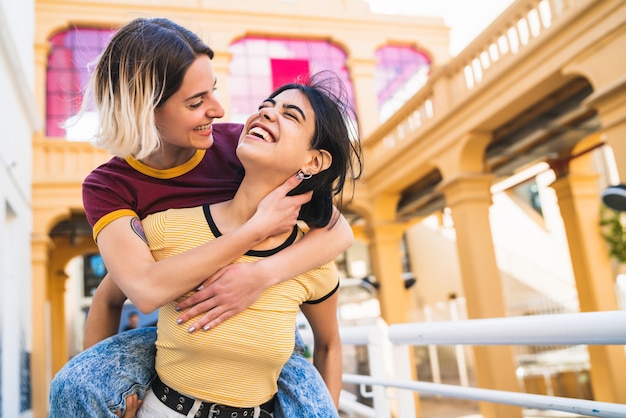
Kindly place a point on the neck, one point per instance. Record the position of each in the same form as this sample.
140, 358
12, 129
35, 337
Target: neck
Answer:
244, 204
163, 159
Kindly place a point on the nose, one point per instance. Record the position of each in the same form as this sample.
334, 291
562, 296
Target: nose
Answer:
267, 113
214, 108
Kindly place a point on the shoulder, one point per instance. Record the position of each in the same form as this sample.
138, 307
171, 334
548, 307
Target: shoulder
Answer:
114, 165
225, 141
106, 173
227, 131
323, 282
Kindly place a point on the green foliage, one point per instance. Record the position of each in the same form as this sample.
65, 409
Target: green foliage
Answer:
613, 232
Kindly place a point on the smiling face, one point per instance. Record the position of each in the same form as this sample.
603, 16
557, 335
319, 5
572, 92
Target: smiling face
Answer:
184, 119
276, 141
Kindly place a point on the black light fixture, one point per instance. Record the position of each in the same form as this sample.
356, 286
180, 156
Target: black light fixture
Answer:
370, 284
614, 197
409, 279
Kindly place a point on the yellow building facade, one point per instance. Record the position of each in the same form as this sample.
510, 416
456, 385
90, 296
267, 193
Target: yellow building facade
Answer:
545, 83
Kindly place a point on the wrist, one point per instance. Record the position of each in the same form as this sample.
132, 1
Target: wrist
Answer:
267, 272
254, 232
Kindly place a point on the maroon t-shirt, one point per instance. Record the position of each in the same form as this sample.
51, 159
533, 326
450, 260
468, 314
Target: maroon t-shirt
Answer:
124, 185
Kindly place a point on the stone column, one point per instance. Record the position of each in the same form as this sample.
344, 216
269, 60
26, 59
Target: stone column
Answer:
611, 106
469, 199
40, 370
366, 102
385, 239
385, 235
579, 201
60, 350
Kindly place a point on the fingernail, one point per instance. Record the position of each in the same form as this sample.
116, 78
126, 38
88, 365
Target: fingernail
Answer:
179, 321
206, 327
191, 329
177, 308
200, 287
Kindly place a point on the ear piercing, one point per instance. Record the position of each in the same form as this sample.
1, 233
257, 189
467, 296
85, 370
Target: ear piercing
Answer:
301, 175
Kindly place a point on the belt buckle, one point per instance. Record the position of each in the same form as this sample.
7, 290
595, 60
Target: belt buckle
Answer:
215, 410
212, 410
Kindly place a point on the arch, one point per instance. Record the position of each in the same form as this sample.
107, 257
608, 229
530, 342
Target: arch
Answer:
67, 73
276, 60
401, 70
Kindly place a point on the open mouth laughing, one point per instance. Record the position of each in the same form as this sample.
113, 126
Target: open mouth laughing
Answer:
261, 133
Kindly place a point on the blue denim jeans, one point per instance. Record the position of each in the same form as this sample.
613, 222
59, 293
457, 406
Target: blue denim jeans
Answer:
96, 382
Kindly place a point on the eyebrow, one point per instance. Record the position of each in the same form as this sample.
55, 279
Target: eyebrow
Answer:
202, 93
287, 106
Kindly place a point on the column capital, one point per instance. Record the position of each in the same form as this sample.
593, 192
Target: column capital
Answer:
610, 102
382, 208
467, 187
586, 185
362, 71
386, 231
361, 66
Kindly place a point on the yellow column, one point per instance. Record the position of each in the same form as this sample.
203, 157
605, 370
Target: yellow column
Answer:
57, 318
385, 236
40, 359
469, 198
362, 71
579, 201
387, 268
611, 107
42, 51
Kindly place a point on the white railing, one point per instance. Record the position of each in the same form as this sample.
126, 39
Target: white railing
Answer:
390, 365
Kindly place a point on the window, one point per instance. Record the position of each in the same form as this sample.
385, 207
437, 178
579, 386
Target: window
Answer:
67, 74
259, 65
94, 271
400, 72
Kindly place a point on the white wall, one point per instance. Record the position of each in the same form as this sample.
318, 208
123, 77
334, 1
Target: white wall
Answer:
531, 252
18, 121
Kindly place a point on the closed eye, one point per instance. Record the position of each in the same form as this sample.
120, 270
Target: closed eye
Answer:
296, 108
196, 105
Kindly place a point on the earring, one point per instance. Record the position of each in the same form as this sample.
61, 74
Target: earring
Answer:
300, 175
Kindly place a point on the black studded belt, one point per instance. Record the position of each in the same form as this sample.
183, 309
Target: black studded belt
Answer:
182, 404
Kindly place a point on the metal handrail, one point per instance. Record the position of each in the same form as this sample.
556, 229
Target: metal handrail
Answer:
555, 403
587, 328
591, 328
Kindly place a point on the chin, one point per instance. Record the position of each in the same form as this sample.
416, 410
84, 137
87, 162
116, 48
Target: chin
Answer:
206, 143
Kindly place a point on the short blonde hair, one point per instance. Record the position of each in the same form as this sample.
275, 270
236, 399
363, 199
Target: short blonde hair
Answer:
142, 66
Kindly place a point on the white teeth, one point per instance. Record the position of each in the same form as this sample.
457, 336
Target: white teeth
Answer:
202, 128
261, 133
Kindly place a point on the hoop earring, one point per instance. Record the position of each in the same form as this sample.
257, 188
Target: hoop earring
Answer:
300, 175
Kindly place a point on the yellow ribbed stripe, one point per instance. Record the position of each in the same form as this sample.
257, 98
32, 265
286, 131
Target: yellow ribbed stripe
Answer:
238, 362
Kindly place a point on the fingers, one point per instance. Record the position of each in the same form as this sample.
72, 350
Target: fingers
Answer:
202, 307
223, 317
289, 184
204, 294
301, 199
210, 321
132, 406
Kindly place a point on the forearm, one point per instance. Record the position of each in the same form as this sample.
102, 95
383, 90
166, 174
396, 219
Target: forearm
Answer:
103, 319
150, 284
328, 361
327, 356
318, 247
